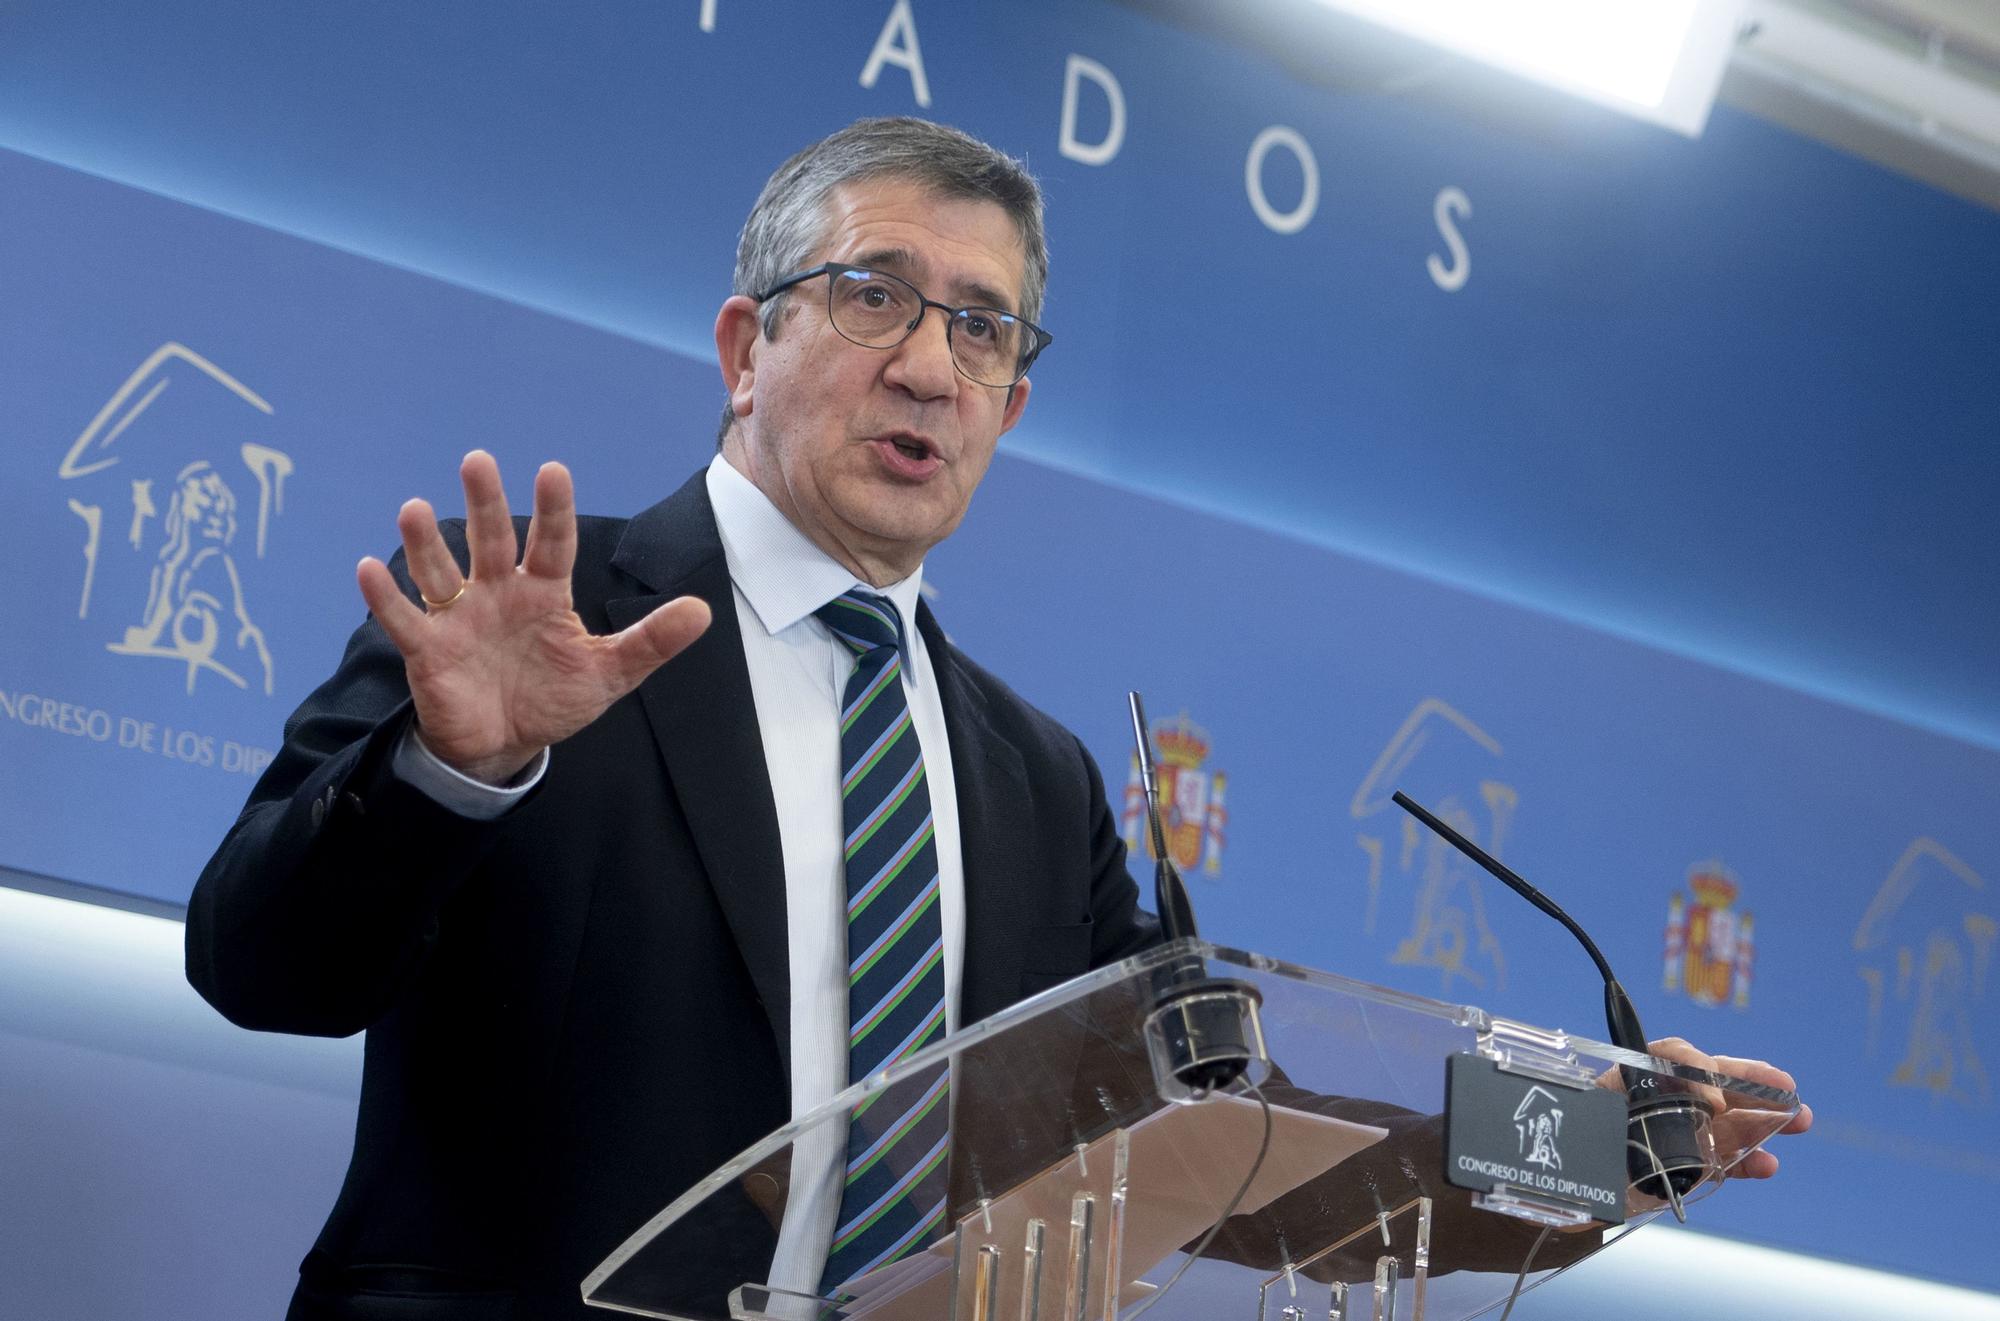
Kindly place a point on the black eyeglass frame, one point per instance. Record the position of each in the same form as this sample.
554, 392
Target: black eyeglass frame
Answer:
834, 269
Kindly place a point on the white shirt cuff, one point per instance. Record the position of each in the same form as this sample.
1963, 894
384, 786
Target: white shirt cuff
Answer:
416, 765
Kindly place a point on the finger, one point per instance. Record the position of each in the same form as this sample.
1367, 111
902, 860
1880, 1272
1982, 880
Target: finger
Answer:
552, 531
1739, 1129
400, 619
489, 528
1675, 1050
1681, 1051
658, 638
1756, 1165
1756, 1071
428, 559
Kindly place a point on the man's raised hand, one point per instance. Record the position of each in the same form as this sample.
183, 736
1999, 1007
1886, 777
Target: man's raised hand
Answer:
499, 665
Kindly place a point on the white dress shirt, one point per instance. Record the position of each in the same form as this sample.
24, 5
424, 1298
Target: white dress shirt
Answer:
798, 674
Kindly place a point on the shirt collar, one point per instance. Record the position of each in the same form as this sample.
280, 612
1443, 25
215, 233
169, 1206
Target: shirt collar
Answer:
780, 572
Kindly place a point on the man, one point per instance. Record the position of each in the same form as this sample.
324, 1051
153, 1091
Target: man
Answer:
595, 911
596, 934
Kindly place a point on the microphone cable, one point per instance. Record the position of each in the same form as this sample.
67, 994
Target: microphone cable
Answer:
1256, 1167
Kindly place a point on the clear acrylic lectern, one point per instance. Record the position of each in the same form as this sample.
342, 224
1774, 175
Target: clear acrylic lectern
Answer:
1087, 1184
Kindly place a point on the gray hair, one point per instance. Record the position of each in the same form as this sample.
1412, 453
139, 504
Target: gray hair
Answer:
789, 219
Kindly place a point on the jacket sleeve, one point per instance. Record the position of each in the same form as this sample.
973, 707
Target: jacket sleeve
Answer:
322, 902
1119, 927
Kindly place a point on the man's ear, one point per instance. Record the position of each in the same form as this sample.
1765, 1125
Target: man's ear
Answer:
1017, 401
738, 329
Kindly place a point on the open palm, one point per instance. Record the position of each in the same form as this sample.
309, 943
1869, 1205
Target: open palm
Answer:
499, 665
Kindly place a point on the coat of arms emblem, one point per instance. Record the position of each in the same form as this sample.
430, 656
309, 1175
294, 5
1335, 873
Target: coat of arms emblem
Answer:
1191, 810
1710, 943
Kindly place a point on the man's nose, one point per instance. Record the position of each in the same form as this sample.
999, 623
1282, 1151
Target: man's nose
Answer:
922, 363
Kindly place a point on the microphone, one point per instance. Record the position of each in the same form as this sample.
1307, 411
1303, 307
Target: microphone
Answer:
1203, 1032
1664, 1152
1170, 896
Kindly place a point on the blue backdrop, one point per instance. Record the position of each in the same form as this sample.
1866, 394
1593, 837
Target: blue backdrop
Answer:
1726, 392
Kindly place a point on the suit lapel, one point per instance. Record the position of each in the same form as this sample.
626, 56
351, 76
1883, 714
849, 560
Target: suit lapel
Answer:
993, 819
703, 717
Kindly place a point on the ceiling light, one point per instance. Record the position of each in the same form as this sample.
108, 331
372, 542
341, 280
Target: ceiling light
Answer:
1660, 60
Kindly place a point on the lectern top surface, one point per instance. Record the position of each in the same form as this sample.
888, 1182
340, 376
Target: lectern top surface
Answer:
1069, 1166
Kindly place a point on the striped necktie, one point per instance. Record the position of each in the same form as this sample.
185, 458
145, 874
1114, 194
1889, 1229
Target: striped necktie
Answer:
893, 1200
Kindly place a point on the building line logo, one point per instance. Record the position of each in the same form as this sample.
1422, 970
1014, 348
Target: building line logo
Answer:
1537, 1124
1924, 950
1451, 765
182, 519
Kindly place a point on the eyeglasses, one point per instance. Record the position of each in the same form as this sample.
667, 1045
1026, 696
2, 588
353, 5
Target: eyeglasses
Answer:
878, 311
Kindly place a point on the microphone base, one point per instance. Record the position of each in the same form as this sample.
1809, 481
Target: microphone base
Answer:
1203, 1035
1669, 1148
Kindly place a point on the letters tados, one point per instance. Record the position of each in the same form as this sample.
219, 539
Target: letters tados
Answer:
896, 45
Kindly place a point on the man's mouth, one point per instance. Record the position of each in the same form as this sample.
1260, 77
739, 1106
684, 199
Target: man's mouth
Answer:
910, 457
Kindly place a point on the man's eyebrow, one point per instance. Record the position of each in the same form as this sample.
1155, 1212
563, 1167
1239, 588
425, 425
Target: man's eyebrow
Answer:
985, 296
896, 261
899, 261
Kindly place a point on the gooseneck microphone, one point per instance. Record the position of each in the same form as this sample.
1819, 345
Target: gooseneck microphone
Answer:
1664, 1153
1203, 1032
1170, 896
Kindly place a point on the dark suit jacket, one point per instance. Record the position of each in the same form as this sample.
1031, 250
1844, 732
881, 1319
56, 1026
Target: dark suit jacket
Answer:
577, 1011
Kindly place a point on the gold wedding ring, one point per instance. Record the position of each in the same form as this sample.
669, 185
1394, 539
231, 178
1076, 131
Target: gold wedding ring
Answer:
449, 600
